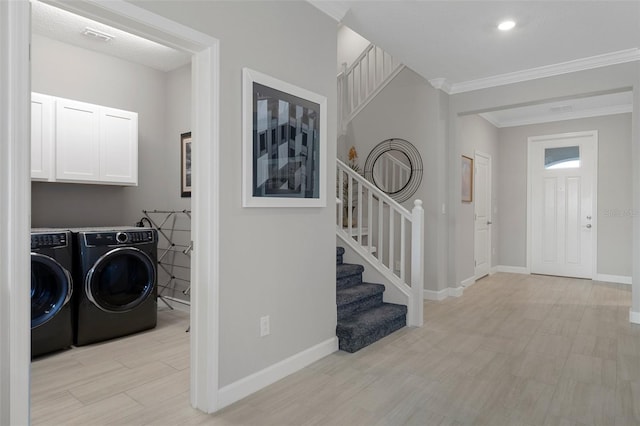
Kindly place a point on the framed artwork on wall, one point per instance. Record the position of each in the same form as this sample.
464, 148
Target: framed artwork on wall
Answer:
284, 143
185, 165
467, 179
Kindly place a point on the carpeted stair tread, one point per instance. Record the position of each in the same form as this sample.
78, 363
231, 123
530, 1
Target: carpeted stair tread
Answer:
365, 322
339, 255
348, 269
345, 296
364, 328
348, 275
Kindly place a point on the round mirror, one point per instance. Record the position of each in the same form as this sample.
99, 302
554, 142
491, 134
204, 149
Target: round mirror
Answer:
395, 167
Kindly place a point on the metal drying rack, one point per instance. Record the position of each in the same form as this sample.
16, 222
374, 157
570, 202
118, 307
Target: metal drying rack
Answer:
177, 243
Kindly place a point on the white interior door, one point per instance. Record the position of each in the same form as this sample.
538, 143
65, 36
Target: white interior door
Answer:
562, 172
482, 210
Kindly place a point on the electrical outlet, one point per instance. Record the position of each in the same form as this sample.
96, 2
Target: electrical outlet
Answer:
264, 326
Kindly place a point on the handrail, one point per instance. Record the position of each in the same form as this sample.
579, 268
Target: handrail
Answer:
368, 220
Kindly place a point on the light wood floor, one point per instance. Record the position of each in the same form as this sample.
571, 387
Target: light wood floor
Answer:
514, 350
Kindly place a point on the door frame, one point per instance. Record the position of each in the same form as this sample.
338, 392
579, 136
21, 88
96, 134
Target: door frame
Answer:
594, 220
475, 198
15, 214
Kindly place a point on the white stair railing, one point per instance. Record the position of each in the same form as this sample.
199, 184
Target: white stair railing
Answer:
385, 234
362, 81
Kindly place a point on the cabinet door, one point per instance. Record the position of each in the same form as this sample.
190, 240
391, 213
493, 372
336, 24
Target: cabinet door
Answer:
77, 141
42, 127
118, 146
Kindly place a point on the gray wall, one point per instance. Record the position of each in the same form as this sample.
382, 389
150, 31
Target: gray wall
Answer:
408, 108
177, 114
59, 69
614, 189
477, 134
277, 262
594, 81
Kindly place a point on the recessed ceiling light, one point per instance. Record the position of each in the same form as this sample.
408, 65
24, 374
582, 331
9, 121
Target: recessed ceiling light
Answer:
506, 25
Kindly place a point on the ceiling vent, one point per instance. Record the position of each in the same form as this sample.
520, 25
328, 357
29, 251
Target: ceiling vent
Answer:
97, 34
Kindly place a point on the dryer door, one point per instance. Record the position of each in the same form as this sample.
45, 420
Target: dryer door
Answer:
51, 288
121, 280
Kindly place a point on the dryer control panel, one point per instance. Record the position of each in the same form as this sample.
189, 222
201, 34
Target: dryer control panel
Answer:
48, 240
114, 238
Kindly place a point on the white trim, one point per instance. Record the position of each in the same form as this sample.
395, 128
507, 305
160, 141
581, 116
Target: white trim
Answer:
442, 84
373, 94
512, 269
436, 295
634, 317
468, 282
15, 211
550, 118
619, 279
250, 384
583, 64
205, 91
456, 291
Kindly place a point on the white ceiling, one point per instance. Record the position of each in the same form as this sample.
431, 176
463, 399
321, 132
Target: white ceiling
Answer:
58, 24
457, 47
457, 42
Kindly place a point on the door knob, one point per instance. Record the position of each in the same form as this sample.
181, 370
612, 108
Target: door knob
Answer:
588, 225
489, 222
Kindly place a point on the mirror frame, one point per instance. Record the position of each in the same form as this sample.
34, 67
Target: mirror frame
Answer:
415, 162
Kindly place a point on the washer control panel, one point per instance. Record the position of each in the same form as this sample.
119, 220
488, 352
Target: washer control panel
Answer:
49, 240
115, 238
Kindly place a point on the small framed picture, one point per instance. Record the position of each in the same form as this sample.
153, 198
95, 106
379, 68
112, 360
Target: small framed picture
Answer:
467, 179
185, 164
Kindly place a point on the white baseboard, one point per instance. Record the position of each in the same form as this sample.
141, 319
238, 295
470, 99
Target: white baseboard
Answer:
253, 383
634, 317
456, 291
468, 282
620, 279
436, 295
493, 270
512, 269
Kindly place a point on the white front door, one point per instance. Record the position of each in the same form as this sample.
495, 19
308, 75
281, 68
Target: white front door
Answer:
482, 210
562, 204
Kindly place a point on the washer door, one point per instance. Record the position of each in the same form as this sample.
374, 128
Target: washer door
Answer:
120, 280
51, 288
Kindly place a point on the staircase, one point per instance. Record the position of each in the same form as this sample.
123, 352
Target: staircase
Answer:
363, 318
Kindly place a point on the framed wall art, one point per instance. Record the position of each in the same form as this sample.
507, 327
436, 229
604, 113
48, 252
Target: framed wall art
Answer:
284, 143
185, 165
467, 179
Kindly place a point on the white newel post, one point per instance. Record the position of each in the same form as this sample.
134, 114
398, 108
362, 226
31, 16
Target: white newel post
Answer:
417, 263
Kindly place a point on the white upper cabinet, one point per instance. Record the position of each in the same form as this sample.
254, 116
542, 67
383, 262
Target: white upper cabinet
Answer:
89, 143
118, 145
77, 141
42, 113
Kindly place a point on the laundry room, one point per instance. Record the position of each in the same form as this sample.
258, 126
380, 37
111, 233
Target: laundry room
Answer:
128, 206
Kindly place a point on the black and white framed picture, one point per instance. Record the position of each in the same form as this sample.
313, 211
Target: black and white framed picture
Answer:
284, 144
185, 164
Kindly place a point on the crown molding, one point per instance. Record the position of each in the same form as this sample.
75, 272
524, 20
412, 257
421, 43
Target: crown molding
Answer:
441, 84
549, 118
607, 59
335, 9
